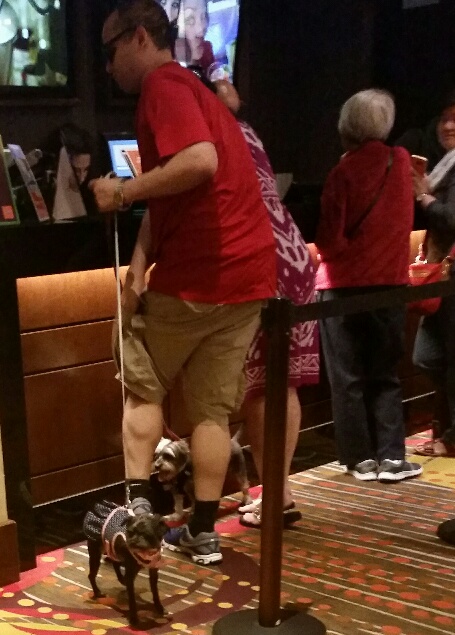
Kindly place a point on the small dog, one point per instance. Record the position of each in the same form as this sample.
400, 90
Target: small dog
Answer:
126, 540
172, 462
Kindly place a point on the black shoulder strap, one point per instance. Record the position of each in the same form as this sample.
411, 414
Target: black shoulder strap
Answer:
354, 229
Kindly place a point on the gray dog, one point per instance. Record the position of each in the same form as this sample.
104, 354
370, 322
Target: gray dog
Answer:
172, 462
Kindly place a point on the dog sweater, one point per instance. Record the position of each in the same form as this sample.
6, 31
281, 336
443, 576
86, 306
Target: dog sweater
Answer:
113, 527
106, 523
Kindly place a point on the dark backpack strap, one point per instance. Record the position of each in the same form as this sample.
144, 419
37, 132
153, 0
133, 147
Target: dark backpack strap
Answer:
354, 229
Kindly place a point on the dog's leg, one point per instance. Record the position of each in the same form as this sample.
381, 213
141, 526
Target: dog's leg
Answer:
238, 467
131, 570
153, 578
178, 513
189, 491
118, 572
94, 559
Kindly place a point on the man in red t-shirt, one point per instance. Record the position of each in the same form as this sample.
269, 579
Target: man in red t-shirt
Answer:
209, 235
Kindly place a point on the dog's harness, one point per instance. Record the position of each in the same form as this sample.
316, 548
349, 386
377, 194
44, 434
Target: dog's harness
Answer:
113, 527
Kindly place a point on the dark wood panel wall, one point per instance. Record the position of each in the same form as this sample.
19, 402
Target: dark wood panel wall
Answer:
73, 400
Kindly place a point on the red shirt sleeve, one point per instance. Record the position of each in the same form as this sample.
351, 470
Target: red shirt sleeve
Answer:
330, 238
174, 115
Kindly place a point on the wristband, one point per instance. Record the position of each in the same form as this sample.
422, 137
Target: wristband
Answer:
119, 197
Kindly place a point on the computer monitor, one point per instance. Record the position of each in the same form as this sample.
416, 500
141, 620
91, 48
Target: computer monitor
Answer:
117, 144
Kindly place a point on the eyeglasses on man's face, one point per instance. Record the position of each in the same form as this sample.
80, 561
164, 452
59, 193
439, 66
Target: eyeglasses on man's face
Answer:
110, 47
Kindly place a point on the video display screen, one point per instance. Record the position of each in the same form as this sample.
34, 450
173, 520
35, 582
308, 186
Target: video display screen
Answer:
206, 34
33, 45
117, 148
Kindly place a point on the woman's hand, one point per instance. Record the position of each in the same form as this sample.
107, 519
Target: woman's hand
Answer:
420, 183
422, 189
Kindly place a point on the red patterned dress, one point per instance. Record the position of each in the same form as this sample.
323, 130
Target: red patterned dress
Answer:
296, 275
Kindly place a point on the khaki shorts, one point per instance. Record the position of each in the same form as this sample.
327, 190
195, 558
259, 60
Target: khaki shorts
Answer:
208, 343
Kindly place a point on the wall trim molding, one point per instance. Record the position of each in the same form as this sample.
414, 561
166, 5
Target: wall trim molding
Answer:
9, 553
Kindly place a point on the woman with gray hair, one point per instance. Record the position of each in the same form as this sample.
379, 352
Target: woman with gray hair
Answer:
369, 190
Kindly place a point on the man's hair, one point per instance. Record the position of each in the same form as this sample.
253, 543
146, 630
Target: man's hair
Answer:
367, 115
150, 15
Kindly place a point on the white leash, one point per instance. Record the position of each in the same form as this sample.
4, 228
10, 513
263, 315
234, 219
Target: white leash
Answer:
119, 308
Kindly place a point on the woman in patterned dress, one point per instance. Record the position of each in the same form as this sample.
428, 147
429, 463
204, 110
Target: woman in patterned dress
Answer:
296, 275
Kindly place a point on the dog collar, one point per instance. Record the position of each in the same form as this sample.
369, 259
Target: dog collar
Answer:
152, 562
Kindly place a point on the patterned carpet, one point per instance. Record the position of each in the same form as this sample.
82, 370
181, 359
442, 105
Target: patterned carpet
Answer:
439, 471
364, 560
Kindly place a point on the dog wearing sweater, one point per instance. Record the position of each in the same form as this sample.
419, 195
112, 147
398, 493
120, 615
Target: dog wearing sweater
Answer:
128, 541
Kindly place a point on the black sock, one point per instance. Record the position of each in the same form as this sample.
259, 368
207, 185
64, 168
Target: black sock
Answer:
136, 488
203, 517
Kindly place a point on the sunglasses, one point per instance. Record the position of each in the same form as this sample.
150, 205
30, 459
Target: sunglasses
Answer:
110, 48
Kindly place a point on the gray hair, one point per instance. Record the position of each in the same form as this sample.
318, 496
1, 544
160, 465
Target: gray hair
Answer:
365, 116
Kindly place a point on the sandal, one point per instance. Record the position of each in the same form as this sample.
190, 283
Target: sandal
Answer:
435, 448
256, 504
253, 519
249, 507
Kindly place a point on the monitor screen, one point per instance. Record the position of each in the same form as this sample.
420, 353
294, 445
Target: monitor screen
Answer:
206, 34
33, 43
118, 161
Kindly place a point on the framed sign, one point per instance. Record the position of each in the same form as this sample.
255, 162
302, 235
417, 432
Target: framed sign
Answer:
8, 209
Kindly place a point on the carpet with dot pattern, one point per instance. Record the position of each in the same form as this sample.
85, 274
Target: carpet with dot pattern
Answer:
364, 560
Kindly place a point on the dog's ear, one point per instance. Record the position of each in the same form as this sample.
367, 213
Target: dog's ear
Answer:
182, 450
183, 445
163, 442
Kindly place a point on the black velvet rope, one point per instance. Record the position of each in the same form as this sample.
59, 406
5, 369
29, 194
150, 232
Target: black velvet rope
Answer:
370, 301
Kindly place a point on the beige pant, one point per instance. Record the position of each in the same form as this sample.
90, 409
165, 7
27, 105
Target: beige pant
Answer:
208, 343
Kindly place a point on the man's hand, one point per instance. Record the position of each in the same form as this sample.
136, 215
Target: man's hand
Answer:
104, 191
130, 302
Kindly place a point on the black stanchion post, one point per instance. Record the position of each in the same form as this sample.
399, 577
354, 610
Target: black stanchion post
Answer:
277, 322
270, 618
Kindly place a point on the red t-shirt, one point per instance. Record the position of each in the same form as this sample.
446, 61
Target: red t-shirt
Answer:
214, 243
378, 252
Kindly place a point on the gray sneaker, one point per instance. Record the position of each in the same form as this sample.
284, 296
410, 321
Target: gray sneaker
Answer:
363, 471
140, 506
203, 548
392, 471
